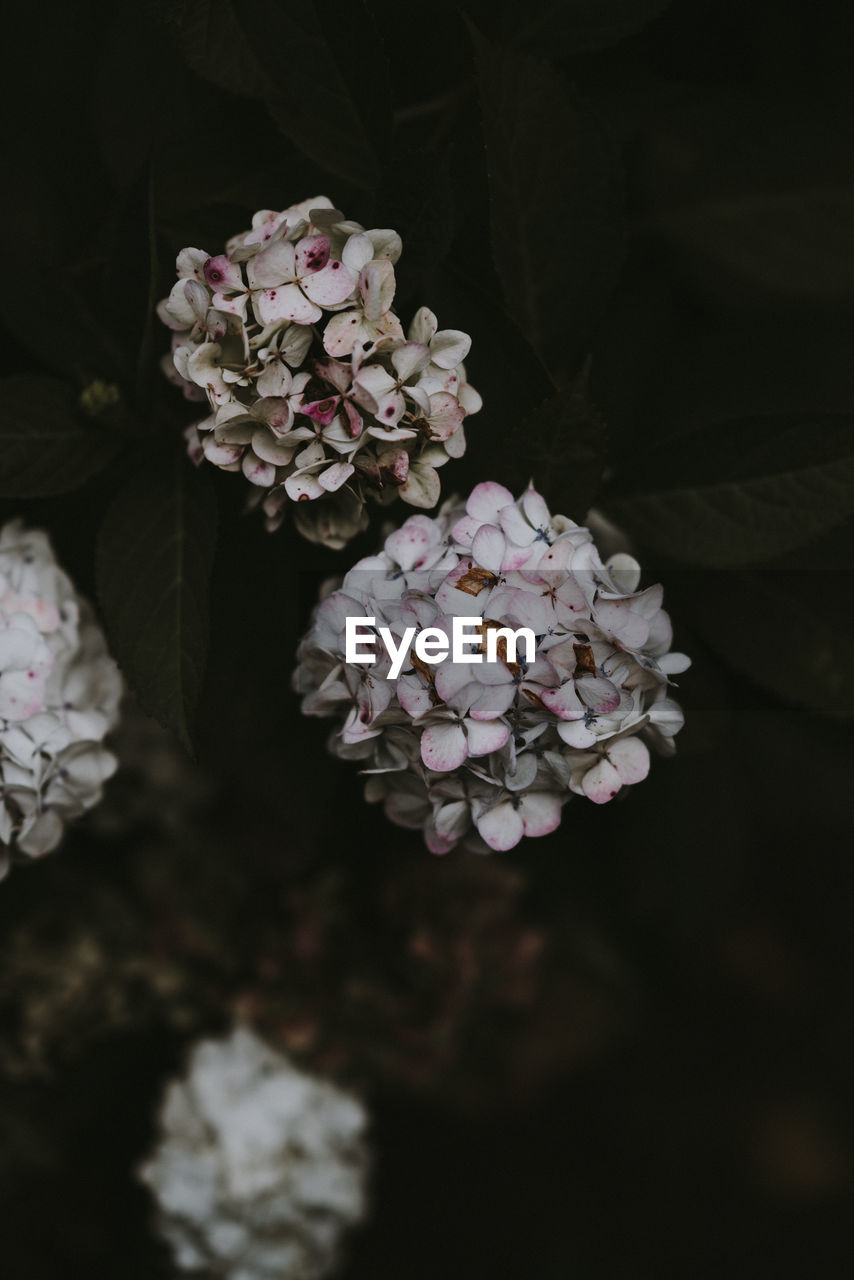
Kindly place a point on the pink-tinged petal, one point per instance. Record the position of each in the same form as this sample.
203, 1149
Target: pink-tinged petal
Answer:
449, 348
22, 694
409, 359
353, 420
376, 288
311, 254
451, 678
336, 475
486, 500
516, 527
330, 286
601, 783
394, 464
492, 701
630, 758
535, 508
444, 747
273, 266
564, 702
464, 530
257, 471
222, 455
575, 733
322, 411
598, 693
436, 843
304, 488
445, 417
233, 306
540, 812
223, 275
627, 627
287, 302
486, 736
455, 445
412, 542
487, 548
414, 696
277, 412
342, 333
501, 827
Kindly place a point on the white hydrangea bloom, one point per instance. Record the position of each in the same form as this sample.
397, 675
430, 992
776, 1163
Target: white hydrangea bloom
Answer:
59, 697
260, 1167
315, 392
490, 752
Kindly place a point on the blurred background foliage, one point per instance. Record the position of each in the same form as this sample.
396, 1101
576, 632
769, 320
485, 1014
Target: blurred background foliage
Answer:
623, 1050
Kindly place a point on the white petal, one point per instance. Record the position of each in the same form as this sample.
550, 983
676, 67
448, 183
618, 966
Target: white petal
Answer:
486, 736
444, 747
630, 758
501, 827
601, 783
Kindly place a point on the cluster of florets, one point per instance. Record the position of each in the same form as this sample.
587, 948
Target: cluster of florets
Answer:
489, 751
59, 697
260, 1167
315, 391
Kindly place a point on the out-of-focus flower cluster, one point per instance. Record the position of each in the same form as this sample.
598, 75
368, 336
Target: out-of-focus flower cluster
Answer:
260, 1167
59, 697
316, 393
486, 753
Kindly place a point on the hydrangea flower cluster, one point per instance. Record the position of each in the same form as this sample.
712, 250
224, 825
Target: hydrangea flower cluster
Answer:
59, 697
315, 391
260, 1167
486, 753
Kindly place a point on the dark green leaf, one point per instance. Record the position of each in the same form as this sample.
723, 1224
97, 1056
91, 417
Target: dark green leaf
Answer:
153, 564
556, 204
567, 27
49, 445
795, 243
783, 490
561, 447
295, 59
800, 654
216, 46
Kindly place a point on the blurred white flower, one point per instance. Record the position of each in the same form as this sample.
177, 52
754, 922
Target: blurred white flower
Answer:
490, 751
59, 697
313, 388
260, 1168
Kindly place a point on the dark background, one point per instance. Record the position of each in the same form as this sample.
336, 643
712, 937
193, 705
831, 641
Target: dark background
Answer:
621, 1051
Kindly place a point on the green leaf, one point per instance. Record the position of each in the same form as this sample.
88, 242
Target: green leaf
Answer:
215, 45
48, 445
794, 243
806, 664
783, 492
284, 56
561, 447
568, 27
153, 564
556, 204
